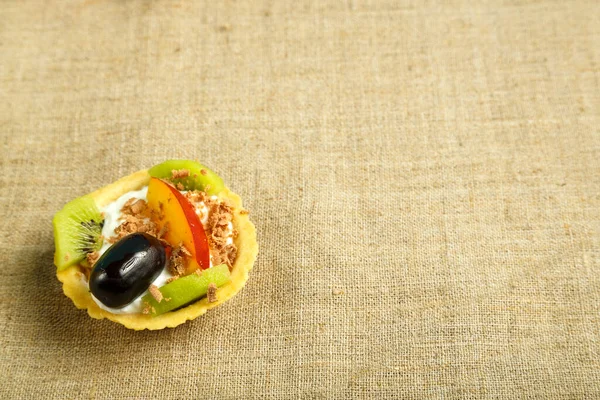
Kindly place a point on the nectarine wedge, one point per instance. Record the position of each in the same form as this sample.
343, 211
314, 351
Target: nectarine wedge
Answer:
177, 216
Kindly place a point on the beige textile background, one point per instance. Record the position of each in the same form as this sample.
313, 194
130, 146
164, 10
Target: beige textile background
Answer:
434, 164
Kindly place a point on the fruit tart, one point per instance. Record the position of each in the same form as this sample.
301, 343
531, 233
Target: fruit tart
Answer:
156, 248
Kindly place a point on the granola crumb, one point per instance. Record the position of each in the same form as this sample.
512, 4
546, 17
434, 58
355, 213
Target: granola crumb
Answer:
184, 250
220, 215
167, 299
212, 293
180, 186
203, 172
171, 279
163, 230
133, 224
92, 257
134, 219
244, 212
155, 292
337, 291
180, 173
126, 209
139, 207
176, 265
146, 309
198, 272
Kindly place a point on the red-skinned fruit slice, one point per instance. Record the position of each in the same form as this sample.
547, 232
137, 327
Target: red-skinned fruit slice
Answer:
173, 209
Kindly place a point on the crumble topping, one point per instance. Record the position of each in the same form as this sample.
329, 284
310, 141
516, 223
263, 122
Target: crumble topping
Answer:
136, 219
184, 250
176, 262
212, 293
132, 214
220, 215
134, 206
148, 308
196, 196
92, 258
180, 173
153, 289
219, 219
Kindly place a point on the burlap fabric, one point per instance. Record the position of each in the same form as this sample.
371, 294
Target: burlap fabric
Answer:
424, 178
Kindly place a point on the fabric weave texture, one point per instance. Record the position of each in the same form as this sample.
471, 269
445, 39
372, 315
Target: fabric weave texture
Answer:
424, 177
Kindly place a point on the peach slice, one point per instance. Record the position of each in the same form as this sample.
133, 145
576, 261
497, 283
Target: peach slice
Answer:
183, 226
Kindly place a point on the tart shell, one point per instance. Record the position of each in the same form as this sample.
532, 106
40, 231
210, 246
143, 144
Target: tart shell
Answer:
75, 285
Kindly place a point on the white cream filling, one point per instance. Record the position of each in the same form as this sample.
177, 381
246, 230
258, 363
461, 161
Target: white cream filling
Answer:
112, 214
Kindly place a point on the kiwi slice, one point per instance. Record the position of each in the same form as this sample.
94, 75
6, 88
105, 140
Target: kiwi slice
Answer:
187, 289
77, 231
200, 177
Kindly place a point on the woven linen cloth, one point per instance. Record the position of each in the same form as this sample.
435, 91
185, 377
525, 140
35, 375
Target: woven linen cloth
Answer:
424, 178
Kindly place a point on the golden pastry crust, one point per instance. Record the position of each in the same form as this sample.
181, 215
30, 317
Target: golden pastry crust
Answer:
76, 288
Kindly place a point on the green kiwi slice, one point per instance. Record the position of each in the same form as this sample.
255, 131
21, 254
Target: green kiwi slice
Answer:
187, 289
77, 231
199, 178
